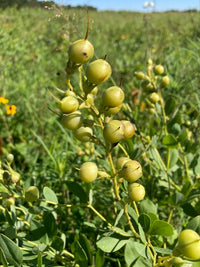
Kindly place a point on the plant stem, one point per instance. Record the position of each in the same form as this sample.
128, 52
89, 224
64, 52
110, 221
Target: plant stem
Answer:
129, 221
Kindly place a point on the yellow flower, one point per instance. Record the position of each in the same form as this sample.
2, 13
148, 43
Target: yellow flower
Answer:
3, 100
123, 37
11, 109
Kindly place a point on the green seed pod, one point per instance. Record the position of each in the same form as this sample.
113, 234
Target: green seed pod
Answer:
121, 161
147, 86
10, 158
88, 172
136, 192
15, 176
73, 120
94, 90
129, 129
32, 194
188, 245
69, 104
154, 97
113, 97
131, 171
8, 202
159, 69
81, 51
70, 93
177, 262
113, 131
98, 71
83, 134
111, 111
140, 75
165, 81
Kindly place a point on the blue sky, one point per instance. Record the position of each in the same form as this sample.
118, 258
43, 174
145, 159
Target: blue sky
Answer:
134, 5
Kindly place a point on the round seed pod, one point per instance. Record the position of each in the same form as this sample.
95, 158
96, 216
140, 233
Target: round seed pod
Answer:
188, 245
88, 172
81, 51
111, 111
69, 104
129, 129
32, 194
113, 131
10, 158
131, 171
73, 120
121, 161
136, 192
165, 81
154, 97
147, 86
8, 202
140, 75
159, 69
98, 71
83, 134
113, 97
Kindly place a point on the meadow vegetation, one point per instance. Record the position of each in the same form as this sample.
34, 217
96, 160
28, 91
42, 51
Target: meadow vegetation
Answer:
64, 221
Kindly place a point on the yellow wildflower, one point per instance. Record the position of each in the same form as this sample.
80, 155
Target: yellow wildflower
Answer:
11, 109
123, 36
3, 100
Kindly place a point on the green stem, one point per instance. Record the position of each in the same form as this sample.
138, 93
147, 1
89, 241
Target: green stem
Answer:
129, 222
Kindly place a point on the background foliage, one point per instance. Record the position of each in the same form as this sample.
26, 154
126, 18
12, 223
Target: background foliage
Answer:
34, 45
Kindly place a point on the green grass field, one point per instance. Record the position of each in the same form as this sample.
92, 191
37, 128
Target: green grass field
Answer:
33, 59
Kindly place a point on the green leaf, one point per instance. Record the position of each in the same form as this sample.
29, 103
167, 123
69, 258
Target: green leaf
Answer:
189, 209
3, 258
174, 154
155, 156
78, 191
99, 259
58, 244
135, 254
194, 224
50, 224
130, 252
147, 206
111, 244
182, 137
165, 251
11, 251
86, 246
152, 216
197, 167
79, 253
161, 228
145, 222
50, 195
170, 141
